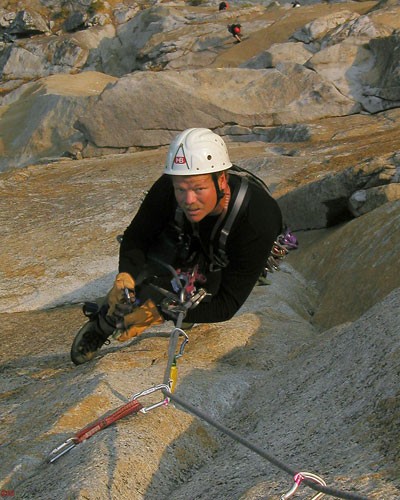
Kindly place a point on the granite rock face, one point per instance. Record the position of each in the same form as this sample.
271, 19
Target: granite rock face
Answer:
179, 64
309, 369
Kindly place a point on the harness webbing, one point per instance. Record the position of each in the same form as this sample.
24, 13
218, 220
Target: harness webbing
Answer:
244, 184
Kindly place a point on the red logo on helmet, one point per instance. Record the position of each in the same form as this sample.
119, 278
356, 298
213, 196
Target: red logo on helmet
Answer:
180, 160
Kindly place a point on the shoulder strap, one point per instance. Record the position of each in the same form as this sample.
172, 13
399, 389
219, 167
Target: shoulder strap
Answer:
244, 184
219, 259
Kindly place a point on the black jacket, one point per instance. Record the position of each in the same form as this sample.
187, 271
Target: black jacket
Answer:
248, 245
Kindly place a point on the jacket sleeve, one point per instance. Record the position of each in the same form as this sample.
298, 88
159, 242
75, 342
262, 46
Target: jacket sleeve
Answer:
248, 247
151, 218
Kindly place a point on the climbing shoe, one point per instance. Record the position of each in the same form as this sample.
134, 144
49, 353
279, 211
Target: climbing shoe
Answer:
90, 338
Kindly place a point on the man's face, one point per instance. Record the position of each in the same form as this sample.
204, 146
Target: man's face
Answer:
196, 194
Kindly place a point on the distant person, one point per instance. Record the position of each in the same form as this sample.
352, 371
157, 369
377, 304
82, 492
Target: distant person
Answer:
223, 6
236, 31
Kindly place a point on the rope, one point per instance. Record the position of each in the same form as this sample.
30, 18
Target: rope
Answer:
256, 449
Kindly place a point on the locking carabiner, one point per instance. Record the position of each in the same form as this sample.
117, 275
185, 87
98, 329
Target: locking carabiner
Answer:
183, 344
298, 478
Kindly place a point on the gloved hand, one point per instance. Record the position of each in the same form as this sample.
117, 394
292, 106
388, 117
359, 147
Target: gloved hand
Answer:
139, 320
117, 295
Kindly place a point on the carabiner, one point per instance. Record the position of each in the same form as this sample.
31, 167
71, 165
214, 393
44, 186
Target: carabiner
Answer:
60, 450
298, 478
183, 345
158, 387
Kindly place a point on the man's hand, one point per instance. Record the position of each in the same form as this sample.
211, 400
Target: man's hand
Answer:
139, 320
117, 294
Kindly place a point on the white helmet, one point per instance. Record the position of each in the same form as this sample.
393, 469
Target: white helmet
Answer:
197, 151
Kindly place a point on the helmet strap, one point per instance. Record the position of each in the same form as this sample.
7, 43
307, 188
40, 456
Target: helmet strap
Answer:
220, 192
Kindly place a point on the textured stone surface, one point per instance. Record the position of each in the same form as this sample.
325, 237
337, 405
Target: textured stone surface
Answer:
345, 77
308, 370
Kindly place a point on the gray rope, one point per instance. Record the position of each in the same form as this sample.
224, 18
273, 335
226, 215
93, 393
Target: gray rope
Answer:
315, 486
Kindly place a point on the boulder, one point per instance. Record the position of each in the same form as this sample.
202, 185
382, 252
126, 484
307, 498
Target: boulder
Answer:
209, 98
360, 58
365, 200
75, 21
383, 82
361, 27
32, 59
21, 64
127, 52
318, 28
292, 52
28, 22
336, 197
39, 106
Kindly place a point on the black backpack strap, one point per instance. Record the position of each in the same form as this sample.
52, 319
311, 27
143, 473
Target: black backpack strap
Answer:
244, 185
219, 259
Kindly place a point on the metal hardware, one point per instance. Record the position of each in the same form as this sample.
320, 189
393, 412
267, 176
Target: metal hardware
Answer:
158, 387
298, 478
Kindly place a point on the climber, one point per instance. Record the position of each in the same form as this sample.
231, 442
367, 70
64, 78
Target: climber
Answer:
203, 221
235, 30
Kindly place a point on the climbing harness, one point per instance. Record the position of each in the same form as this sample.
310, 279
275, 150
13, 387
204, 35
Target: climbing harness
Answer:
216, 252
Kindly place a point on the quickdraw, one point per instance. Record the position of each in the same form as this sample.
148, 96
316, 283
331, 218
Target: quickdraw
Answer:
173, 371
134, 406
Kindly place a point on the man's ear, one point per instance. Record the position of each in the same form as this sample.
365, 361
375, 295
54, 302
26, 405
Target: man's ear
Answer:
223, 181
